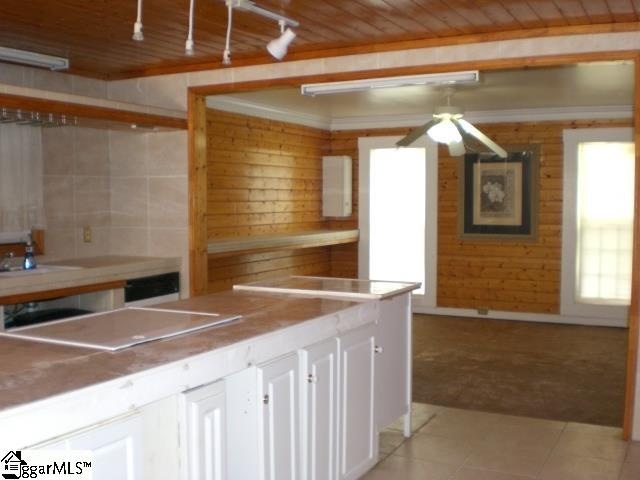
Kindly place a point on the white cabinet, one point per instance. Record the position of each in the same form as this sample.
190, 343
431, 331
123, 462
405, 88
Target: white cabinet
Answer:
393, 360
319, 400
278, 381
203, 430
336, 186
358, 435
264, 421
116, 447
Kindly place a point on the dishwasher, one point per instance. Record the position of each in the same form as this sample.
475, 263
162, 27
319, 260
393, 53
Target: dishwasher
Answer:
144, 291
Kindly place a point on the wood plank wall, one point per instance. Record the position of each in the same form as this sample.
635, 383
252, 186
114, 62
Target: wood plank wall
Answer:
508, 275
264, 177
497, 275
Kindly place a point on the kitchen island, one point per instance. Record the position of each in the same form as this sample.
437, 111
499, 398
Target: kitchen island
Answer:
152, 403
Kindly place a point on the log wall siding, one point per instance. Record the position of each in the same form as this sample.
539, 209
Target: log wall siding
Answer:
263, 177
497, 275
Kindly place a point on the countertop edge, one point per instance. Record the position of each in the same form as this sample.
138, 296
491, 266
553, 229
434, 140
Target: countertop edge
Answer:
46, 419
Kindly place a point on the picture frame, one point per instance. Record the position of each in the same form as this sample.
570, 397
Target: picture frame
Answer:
499, 196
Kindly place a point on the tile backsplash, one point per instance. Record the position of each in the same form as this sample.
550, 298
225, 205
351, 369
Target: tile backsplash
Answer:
130, 188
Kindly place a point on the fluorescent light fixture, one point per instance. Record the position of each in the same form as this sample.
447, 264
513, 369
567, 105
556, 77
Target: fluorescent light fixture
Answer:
34, 59
313, 89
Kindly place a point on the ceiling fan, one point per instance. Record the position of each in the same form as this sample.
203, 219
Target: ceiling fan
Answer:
449, 127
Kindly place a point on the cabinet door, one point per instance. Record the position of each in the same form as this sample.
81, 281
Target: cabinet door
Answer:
278, 382
319, 394
204, 424
358, 438
393, 360
116, 447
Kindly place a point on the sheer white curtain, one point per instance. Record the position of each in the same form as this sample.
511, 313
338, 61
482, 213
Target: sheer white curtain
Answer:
21, 206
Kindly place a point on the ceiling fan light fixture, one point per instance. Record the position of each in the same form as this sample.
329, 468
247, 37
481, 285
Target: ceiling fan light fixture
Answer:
444, 132
279, 46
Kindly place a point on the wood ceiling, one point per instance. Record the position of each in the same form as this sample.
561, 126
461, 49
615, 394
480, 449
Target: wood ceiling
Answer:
96, 34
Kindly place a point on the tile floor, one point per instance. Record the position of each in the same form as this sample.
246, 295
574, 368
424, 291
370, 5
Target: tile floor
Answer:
454, 444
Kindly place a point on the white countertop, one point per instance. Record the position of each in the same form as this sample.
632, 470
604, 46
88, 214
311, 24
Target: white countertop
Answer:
331, 287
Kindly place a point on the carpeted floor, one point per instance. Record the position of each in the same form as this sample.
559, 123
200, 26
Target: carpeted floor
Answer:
559, 372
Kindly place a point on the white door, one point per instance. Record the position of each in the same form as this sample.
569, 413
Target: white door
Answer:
319, 400
393, 360
116, 447
358, 438
204, 423
398, 213
278, 382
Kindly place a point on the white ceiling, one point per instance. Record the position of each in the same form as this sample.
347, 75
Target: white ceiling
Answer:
581, 87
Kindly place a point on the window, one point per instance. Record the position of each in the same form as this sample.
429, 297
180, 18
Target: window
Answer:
598, 222
398, 213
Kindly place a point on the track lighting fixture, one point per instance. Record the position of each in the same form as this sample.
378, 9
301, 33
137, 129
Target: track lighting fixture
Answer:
137, 26
188, 47
278, 47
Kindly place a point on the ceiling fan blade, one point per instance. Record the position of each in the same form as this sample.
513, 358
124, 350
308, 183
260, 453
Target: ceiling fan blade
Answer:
456, 149
481, 137
416, 133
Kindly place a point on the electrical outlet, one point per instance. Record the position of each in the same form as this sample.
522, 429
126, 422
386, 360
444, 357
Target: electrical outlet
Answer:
483, 311
86, 234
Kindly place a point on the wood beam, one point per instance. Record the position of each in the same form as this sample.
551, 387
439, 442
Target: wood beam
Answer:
634, 308
90, 112
197, 194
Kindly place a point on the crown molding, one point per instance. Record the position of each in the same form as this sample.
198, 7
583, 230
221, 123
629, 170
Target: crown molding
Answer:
245, 107
488, 116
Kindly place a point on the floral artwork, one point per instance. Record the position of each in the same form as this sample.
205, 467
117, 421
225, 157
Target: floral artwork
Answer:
498, 194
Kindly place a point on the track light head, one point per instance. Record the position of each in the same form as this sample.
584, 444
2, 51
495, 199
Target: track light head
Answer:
138, 36
188, 47
278, 47
137, 26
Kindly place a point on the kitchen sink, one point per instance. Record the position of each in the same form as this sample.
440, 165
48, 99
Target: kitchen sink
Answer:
41, 269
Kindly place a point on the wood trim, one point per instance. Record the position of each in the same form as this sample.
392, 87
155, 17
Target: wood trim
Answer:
386, 47
229, 247
634, 308
197, 194
498, 64
17, 248
90, 112
37, 235
60, 292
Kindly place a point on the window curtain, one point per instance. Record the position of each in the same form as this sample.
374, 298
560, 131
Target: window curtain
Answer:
21, 205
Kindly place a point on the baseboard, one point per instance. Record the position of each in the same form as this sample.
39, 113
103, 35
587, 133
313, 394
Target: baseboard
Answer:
524, 317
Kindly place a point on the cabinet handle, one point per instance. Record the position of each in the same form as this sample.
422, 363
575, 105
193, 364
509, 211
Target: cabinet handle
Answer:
377, 349
265, 399
311, 378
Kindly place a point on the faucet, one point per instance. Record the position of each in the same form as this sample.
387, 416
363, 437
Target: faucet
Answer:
6, 264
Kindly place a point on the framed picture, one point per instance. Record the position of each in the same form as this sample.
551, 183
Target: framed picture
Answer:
499, 196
